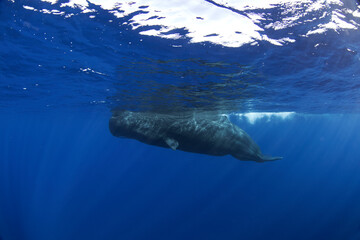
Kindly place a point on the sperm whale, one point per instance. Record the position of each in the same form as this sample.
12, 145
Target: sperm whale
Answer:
197, 132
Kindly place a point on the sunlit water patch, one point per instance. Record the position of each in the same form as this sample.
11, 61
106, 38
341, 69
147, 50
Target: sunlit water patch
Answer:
223, 22
252, 117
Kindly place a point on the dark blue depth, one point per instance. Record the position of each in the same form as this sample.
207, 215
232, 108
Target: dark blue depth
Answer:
63, 176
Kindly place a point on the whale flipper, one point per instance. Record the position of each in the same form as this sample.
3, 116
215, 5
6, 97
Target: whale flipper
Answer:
173, 144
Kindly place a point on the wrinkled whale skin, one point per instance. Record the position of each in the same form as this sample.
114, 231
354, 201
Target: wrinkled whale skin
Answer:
197, 133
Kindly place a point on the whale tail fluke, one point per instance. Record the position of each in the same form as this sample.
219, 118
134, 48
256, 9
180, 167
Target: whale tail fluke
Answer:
264, 158
256, 157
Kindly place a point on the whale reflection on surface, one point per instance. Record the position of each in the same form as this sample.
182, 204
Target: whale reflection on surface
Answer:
183, 84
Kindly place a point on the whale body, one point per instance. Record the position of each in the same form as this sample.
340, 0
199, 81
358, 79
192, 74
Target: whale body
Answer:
196, 132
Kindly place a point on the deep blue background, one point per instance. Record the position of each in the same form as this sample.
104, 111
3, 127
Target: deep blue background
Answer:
63, 176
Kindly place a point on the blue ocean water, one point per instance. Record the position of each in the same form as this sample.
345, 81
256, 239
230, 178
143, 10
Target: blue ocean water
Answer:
294, 87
